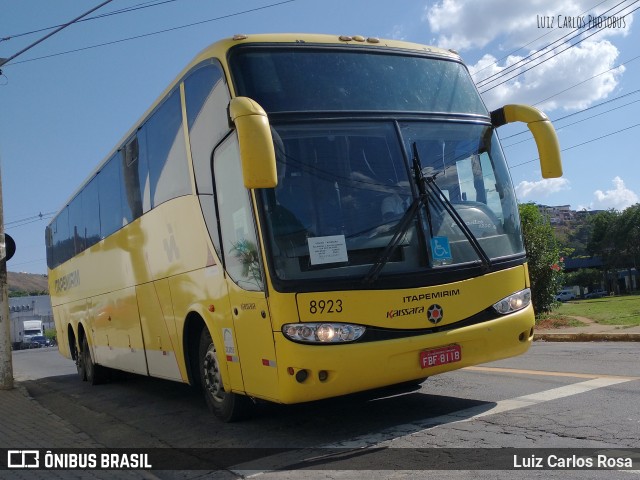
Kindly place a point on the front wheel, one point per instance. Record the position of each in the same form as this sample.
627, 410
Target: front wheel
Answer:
227, 406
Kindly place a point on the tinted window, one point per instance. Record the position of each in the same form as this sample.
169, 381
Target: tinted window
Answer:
286, 79
165, 152
135, 176
91, 213
110, 191
198, 88
62, 245
76, 227
206, 99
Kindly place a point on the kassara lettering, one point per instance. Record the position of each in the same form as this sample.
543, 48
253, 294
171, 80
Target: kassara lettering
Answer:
404, 311
431, 296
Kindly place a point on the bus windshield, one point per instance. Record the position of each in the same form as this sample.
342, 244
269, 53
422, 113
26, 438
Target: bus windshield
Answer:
286, 79
344, 187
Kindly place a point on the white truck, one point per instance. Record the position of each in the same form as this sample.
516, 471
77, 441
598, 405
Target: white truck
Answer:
31, 328
17, 332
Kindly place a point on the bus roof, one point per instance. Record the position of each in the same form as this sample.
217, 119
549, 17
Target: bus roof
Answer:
220, 48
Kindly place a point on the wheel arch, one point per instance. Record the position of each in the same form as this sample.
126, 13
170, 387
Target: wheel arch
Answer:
75, 339
193, 326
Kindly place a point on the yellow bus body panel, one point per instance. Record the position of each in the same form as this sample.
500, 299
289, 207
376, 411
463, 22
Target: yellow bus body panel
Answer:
357, 367
366, 365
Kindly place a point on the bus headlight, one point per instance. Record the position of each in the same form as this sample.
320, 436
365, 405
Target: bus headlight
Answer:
514, 302
322, 332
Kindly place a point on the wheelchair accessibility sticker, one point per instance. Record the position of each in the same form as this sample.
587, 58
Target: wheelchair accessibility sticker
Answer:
440, 248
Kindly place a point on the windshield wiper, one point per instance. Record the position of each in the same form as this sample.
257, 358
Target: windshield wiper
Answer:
451, 210
403, 225
427, 188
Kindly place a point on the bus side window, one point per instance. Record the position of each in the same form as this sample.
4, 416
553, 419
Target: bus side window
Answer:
206, 100
239, 240
76, 225
134, 175
91, 213
62, 243
164, 148
112, 217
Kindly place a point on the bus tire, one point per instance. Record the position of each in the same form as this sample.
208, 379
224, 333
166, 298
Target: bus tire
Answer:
94, 373
82, 372
227, 406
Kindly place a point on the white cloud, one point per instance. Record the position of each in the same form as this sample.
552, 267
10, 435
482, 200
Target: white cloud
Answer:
465, 24
619, 198
541, 84
541, 188
468, 24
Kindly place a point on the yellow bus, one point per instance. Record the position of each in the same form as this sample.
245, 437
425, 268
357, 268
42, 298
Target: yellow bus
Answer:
299, 217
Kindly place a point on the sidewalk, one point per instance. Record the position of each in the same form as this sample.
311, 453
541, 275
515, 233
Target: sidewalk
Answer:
590, 332
27, 425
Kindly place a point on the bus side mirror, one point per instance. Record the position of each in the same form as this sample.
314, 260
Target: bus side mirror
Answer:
543, 133
257, 152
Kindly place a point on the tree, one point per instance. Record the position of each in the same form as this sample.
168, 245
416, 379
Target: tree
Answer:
628, 234
543, 253
604, 242
584, 278
612, 239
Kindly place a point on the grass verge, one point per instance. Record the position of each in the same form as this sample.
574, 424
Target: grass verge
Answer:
622, 310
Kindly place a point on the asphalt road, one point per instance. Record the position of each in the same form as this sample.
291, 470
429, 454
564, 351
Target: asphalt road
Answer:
558, 396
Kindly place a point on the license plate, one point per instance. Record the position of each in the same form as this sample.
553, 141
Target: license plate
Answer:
440, 356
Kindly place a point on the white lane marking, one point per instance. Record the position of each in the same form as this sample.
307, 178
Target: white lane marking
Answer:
380, 439
479, 411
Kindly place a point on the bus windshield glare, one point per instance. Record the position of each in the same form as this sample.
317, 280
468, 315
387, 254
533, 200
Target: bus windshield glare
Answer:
344, 184
344, 187
285, 79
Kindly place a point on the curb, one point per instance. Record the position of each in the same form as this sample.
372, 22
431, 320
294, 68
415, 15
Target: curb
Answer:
587, 337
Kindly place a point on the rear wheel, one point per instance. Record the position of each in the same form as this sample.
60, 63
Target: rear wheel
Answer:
95, 374
82, 373
227, 406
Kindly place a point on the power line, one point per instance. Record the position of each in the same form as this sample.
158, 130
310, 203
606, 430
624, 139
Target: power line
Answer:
576, 122
545, 60
95, 17
32, 219
559, 119
581, 144
13, 265
136, 37
4, 61
590, 78
546, 50
585, 109
531, 42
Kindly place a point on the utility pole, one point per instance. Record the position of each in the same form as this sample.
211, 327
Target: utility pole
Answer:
6, 365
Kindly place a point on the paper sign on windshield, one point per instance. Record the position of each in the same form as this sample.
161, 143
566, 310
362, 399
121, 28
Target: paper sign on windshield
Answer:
330, 249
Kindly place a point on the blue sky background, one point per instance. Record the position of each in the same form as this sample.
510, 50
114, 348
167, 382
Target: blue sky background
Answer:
61, 113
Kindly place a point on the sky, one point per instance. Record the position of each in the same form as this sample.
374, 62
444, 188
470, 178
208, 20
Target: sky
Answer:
65, 103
